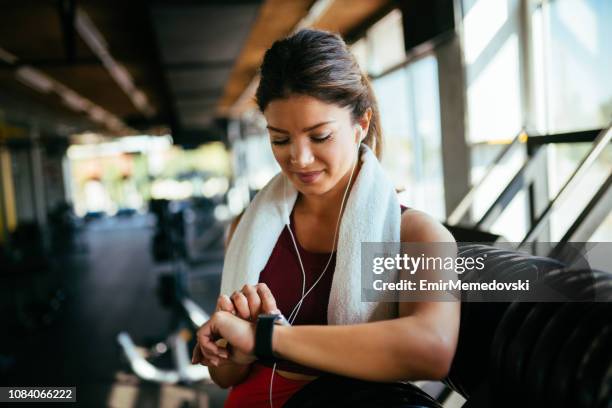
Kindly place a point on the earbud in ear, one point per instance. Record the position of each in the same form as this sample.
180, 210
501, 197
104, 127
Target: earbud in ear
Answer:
361, 136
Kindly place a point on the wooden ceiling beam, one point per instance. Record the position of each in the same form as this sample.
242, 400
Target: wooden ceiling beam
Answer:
344, 16
277, 19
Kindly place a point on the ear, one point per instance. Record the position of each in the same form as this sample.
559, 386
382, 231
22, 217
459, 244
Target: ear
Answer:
364, 123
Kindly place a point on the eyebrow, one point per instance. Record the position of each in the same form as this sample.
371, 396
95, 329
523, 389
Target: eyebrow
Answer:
303, 130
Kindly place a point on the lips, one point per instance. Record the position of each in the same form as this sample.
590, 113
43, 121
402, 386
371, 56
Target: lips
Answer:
309, 177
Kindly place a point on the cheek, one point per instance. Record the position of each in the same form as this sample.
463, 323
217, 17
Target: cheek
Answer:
339, 156
281, 155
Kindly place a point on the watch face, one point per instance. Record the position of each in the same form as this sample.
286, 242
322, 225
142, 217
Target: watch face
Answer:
282, 320
277, 318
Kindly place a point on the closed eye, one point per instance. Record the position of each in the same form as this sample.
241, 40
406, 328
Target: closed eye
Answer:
321, 139
315, 139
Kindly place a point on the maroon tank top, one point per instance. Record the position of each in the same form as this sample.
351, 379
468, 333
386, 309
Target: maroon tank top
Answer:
283, 276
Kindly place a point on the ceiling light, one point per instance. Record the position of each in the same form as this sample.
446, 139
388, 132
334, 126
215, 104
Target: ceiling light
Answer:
114, 123
94, 39
89, 33
34, 79
97, 114
7, 57
74, 101
122, 76
316, 11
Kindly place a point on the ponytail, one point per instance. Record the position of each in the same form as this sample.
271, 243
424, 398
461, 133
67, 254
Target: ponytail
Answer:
374, 138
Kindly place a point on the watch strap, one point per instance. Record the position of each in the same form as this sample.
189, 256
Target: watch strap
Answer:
263, 337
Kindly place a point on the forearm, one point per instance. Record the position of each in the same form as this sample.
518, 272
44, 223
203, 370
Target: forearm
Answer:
390, 350
229, 374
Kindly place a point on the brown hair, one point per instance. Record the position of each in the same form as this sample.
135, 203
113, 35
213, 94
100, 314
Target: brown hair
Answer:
319, 64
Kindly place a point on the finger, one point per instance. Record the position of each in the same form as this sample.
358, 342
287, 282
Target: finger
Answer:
204, 333
205, 340
208, 355
225, 361
221, 343
241, 305
207, 359
253, 300
225, 304
196, 355
210, 349
214, 362
268, 303
222, 348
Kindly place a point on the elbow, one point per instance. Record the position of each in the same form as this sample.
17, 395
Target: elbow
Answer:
222, 385
442, 354
219, 382
433, 361
228, 376
440, 371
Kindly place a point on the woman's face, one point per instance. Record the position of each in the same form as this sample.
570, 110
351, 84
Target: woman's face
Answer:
315, 143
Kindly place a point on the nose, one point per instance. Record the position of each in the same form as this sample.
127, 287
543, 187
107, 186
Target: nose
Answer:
301, 155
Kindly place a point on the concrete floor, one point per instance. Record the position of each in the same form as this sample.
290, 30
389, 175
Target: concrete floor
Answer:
109, 288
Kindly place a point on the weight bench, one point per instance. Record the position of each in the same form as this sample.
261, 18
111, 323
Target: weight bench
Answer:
509, 354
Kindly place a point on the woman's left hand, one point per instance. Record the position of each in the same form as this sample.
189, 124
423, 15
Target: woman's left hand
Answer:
240, 336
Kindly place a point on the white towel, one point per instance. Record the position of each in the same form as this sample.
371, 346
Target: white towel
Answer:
372, 214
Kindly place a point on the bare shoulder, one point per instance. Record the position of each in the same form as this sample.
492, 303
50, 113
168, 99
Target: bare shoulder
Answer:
418, 226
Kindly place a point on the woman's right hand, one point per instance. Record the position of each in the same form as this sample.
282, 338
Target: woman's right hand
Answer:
249, 302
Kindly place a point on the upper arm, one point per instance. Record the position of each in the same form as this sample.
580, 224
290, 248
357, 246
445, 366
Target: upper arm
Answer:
420, 228
417, 226
441, 316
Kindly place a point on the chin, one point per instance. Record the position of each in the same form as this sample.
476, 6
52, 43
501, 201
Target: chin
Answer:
311, 190
317, 188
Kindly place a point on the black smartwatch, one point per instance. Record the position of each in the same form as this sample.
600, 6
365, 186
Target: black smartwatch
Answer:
263, 336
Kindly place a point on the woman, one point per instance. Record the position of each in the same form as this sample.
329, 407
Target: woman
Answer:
319, 109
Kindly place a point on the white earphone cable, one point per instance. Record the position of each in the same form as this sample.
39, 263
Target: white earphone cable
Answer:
298, 306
